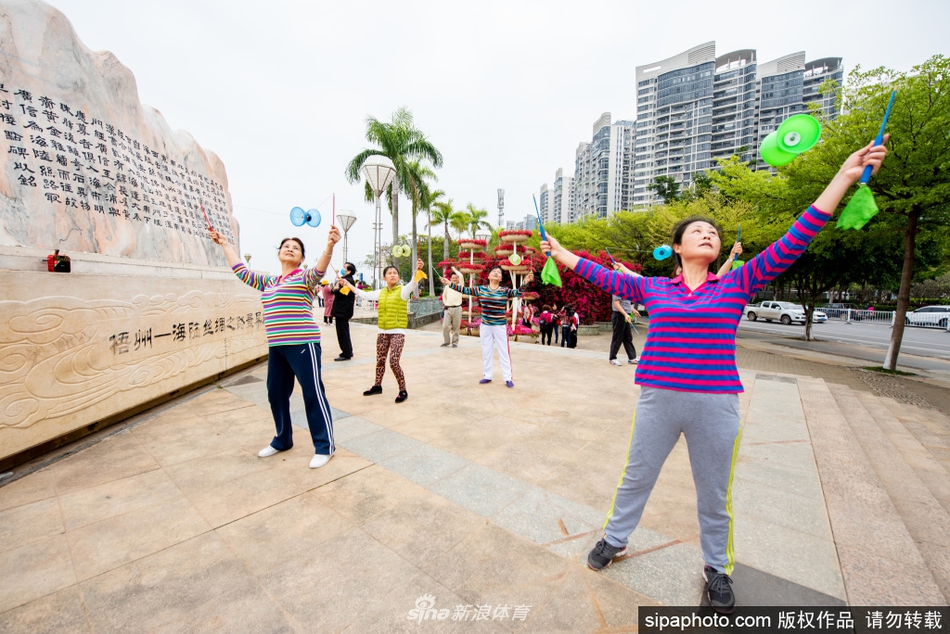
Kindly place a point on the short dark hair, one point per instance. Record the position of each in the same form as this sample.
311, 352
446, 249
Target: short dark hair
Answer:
497, 266
385, 270
680, 228
350, 267
303, 251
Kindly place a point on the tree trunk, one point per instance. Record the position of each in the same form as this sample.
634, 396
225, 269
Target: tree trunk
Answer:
903, 295
445, 242
395, 212
429, 253
415, 248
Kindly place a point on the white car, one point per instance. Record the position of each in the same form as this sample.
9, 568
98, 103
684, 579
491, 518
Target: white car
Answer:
929, 316
785, 312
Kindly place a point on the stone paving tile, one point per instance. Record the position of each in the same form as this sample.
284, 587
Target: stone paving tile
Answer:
671, 575
270, 537
352, 427
493, 566
38, 486
248, 609
34, 570
424, 464
798, 512
329, 587
422, 528
165, 586
28, 523
113, 542
800, 557
115, 457
480, 489
61, 612
539, 516
381, 445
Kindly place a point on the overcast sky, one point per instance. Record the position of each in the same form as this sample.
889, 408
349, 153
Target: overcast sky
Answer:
506, 90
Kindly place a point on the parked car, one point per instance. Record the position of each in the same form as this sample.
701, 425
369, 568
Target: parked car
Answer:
840, 311
785, 312
929, 316
819, 317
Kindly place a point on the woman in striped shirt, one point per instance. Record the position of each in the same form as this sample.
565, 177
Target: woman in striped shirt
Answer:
493, 331
293, 340
689, 383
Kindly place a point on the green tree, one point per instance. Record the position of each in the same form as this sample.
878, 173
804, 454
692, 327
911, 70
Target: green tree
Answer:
419, 193
443, 213
476, 218
460, 222
912, 189
666, 188
401, 142
428, 201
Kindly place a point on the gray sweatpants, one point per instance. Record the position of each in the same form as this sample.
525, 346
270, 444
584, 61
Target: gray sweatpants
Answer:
710, 423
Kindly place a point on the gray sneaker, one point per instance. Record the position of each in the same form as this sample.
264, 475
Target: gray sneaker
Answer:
602, 554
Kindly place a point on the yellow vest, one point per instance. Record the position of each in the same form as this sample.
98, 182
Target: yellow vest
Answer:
393, 309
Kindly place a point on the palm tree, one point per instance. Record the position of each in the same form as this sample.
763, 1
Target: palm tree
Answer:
420, 194
401, 142
475, 221
443, 213
460, 222
431, 199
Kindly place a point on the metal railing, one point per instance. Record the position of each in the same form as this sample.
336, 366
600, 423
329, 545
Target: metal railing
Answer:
883, 317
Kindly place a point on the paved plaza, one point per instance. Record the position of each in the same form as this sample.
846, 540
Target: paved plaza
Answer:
476, 500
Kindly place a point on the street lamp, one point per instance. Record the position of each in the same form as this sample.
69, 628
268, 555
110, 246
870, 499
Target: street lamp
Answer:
379, 172
345, 219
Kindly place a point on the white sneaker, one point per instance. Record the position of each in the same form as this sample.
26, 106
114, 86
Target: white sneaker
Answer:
319, 460
266, 452
615, 362
633, 361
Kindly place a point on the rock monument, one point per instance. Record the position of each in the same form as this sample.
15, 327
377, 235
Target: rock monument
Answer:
149, 306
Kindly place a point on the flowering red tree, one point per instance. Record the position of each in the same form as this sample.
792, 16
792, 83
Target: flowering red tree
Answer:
590, 302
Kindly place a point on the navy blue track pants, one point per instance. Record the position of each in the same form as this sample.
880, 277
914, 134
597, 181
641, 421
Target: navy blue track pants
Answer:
303, 362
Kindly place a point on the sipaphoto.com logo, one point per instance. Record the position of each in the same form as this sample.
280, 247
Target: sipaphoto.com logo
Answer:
425, 610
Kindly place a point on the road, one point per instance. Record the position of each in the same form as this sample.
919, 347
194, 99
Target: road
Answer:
862, 340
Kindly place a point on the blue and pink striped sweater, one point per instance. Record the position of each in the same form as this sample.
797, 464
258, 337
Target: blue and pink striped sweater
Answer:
288, 304
691, 343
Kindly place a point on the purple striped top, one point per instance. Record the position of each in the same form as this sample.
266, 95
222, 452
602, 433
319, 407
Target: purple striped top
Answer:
691, 342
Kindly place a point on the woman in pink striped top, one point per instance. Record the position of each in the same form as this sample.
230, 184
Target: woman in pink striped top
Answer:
688, 376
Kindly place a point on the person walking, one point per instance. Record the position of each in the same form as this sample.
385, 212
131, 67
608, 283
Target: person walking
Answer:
689, 383
452, 305
393, 321
546, 321
293, 341
620, 322
342, 311
327, 292
493, 331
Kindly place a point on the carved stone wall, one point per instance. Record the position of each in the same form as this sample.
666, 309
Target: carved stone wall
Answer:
149, 306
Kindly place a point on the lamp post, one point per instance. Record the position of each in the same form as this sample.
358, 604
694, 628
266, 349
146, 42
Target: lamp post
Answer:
379, 172
345, 219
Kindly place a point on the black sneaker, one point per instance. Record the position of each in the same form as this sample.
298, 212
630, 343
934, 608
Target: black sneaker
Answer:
376, 389
403, 395
602, 554
718, 590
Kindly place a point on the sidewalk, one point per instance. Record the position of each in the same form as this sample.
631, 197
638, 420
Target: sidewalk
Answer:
463, 498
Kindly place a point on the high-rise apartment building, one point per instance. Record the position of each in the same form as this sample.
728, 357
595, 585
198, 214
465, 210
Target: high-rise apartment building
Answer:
562, 206
781, 84
695, 107
545, 200
674, 119
816, 73
733, 113
600, 184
